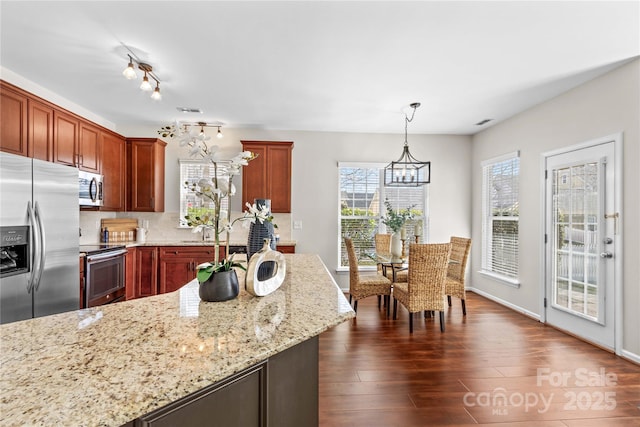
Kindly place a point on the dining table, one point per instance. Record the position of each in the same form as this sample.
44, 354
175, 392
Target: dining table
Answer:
395, 263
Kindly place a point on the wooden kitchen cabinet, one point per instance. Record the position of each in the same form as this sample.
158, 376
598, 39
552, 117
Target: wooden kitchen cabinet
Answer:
130, 273
178, 264
145, 175
269, 175
146, 271
114, 169
13, 120
89, 147
280, 391
40, 130
65, 138
286, 249
76, 142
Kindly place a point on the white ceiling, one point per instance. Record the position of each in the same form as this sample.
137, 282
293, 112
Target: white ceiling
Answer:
328, 65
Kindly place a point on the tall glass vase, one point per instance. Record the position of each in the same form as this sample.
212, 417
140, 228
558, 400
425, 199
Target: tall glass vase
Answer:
257, 233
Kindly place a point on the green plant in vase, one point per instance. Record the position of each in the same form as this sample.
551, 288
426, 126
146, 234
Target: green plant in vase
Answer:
395, 220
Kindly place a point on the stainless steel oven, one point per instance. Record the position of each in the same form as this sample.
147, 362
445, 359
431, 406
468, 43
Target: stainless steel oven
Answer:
104, 274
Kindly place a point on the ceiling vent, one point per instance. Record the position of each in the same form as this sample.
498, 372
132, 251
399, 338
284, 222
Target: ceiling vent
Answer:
189, 110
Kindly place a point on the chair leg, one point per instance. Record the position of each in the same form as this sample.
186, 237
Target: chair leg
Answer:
355, 306
427, 314
395, 308
379, 298
442, 321
449, 300
350, 296
410, 323
464, 308
387, 298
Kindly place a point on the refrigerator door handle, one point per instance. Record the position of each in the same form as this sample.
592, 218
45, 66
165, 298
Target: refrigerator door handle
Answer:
43, 246
35, 247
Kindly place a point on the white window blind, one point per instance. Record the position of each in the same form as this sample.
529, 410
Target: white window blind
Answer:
192, 171
361, 203
500, 215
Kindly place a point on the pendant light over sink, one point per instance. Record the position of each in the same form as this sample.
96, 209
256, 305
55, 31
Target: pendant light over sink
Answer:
407, 171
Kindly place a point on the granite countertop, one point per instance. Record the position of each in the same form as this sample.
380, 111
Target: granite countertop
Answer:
107, 365
199, 243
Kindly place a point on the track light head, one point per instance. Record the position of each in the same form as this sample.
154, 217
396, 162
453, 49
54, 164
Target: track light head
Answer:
129, 73
145, 85
156, 96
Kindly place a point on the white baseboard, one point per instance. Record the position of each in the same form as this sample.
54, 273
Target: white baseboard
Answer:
630, 356
513, 307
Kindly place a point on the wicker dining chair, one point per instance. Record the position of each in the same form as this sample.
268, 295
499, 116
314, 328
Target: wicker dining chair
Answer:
454, 285
366, 285
383, 245
424, 289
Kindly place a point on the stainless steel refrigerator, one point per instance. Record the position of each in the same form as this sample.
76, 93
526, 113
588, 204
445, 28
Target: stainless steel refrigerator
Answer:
39, 215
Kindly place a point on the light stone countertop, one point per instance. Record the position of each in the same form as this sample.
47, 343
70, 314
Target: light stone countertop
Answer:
107, 365
199, 243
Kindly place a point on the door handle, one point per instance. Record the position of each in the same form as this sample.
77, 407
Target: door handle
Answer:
606, 255
35, 253
43, 245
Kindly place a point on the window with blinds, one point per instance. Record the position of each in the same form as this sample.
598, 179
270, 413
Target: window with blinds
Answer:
361, 204
191, 171
500, 215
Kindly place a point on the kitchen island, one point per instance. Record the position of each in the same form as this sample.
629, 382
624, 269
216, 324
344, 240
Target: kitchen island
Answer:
110, 365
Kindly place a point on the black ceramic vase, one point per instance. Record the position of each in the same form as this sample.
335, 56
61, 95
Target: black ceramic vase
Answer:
221, 286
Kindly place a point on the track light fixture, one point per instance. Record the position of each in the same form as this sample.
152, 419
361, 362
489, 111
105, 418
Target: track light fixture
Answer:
187, 132
130, 74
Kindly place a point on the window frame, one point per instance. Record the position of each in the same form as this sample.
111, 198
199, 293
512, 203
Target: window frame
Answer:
222, 167
500, 272
383, 191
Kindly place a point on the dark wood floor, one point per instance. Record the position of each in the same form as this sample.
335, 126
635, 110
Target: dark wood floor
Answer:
373, 373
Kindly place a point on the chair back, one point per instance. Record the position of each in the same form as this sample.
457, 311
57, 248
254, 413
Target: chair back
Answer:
460, 248
383, 245
354, 275
427, 274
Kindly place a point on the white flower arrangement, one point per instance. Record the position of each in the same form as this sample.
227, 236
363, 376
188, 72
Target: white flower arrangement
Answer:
215, 189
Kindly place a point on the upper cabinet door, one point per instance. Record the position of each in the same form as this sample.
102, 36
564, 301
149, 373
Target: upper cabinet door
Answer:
13, 121
40, 130
89, 148
269, 175
114, 169
145, 174
65, 139
279, 178
254, 175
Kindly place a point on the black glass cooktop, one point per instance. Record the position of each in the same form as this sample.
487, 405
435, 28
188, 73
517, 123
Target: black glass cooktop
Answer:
102, 247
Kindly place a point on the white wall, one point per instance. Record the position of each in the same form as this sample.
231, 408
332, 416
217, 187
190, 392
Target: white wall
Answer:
314, 189
601, 107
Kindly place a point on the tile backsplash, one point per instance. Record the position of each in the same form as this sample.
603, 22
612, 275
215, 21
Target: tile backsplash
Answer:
163, 227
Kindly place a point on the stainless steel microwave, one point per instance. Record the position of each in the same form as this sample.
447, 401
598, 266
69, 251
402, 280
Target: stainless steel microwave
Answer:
90, 189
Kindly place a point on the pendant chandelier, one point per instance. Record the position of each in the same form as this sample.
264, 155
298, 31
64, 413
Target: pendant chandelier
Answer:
407, 171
